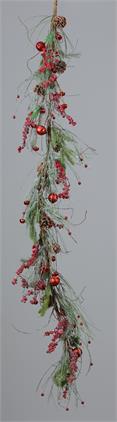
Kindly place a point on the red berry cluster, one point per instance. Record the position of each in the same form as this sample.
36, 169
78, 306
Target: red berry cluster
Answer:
65, 393
26, 203
61, 108
27, 264
49, 60
55, 96
62, 178
25, 131
38, 286
74, 355
27, 125
44, 268
57, 333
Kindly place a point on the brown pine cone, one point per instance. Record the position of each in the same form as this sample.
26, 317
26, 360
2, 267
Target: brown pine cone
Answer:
60, 67
43, 223
39, 90
57, 148
46, 222
59, 21
56, 247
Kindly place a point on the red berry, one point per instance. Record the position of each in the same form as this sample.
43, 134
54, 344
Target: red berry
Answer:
62, 93
53, 258
22, 220
24, 299
63, 106
26, 202
29, 292
69, 232
19, 148
41, 130
40, 285
53, 197
32, 124
34, 246
58, 164
60, 332
77, 351
24, 283
40, 45
20, 269
42, 110
14, 281
35, 148
34, 301
58, 36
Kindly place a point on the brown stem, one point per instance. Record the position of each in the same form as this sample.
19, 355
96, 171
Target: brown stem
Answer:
54, 13
54, 7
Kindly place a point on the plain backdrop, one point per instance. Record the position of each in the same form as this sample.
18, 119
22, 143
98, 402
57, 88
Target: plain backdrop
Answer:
92, 262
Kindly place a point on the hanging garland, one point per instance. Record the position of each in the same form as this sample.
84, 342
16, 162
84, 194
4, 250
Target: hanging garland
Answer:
41, 281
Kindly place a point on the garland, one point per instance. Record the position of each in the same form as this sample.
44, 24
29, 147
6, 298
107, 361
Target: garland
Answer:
41, 281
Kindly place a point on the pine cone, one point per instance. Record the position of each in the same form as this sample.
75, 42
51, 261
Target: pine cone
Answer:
43, 223
39, 90
46, 222
60, 67
59, 21
56, 248
57, 148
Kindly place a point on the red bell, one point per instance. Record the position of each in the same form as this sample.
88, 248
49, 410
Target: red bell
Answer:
54, 279
53, 197
40, 45
41, 130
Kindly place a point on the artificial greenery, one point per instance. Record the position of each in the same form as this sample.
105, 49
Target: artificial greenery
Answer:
45, 212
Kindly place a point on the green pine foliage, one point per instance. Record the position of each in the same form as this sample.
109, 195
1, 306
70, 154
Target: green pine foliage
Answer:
60, 145
46, 301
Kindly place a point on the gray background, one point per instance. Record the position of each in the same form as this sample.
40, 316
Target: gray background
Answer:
92, 261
